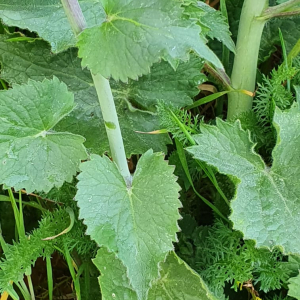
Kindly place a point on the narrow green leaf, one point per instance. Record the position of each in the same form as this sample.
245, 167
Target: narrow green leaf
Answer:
48, 19
177, 280
32, 155
266, 205
137, 34
138, 223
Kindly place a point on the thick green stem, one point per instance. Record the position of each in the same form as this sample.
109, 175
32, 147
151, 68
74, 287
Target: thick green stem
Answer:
109, 113
246, 58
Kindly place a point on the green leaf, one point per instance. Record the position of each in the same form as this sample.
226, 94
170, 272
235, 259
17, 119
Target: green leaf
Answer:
88, 120
294, 287
113, 281
177, 280
213, 20
266, 205
270, 38
137, 34
138, 223
22, 61
177, 87
48, 19
32, 155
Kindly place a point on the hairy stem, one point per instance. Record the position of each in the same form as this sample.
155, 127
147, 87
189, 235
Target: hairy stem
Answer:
245, 62
109, 113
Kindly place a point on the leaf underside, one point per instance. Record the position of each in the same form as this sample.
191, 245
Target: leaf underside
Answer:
32, 155
266, 205
138, 223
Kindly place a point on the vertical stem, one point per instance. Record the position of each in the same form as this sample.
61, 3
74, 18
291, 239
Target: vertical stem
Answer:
49, 276
246, 58
72, 271
112, 125
109, 113
15, 210
30, 287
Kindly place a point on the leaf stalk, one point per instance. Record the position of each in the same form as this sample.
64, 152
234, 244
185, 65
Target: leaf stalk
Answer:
106, 101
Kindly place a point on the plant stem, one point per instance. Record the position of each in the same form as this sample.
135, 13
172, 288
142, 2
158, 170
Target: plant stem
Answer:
30, 287
74, 15
246, 58
109, 113
24, 290
15, 210
281, 10
72, 271
49, 276
112, 125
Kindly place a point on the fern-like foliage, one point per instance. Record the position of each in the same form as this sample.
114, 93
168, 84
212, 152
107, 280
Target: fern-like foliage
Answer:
21, 256
178, 121
272, 93
76, 239
221, 256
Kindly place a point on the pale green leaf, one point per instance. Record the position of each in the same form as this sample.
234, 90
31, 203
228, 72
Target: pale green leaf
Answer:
266, 206
138, 223
48, 19
113, 281
177, 280
215, 24
138, 34
32, 155
294, 287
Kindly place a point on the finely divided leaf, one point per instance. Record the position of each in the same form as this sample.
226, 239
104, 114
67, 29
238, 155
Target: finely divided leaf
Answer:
32, 155
48, 19
266, 205
137, 34
177, 280
138, 223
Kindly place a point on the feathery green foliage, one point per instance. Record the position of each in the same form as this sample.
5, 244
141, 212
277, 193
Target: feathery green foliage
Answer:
21, 256
221, 256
